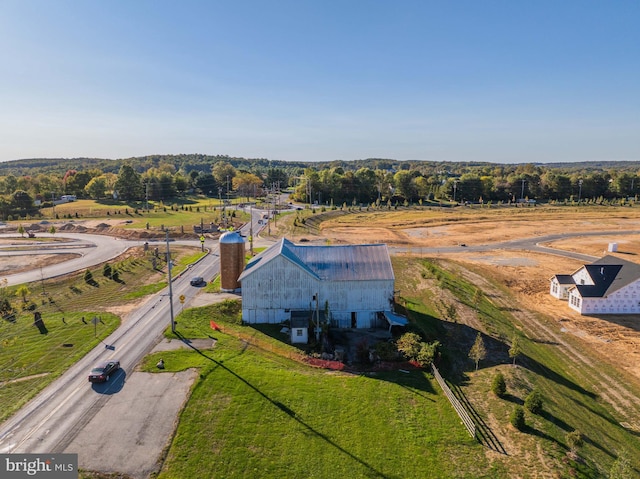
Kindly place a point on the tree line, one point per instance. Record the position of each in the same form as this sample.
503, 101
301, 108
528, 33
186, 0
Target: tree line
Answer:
26, 184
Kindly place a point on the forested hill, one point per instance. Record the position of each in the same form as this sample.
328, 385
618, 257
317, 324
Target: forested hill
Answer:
203, 163
185, 162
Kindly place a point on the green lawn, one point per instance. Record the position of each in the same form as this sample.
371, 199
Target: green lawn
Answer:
30, 359
570, 402
256, 413
181, 213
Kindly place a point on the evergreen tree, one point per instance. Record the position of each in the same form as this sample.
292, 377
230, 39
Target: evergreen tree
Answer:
128, 185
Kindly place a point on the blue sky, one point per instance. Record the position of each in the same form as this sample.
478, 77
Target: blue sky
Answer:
500, 81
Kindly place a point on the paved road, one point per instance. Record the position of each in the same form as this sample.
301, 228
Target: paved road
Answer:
92, 250
124, 424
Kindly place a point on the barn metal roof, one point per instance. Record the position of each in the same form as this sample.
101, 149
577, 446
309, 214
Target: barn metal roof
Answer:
333, 263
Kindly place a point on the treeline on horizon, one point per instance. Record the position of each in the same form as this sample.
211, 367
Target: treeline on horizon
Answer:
357, 182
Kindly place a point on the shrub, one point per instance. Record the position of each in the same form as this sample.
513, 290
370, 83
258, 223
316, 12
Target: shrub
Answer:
88, 277
427, 353
362, 351
409, 345
386, 351
517, 418
106, 270
533, 402
574, 440
498, 386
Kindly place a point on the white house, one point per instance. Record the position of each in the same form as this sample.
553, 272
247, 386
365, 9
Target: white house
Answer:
349, 285
609, 285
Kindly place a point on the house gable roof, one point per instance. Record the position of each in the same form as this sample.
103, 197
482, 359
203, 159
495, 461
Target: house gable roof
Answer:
330, 263
564, 279
609, 274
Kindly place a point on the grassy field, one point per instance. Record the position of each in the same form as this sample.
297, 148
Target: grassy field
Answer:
31, 358
568, 391
256, 413
179, 213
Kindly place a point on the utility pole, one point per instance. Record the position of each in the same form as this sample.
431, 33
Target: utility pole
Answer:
220, 200
173, 323
579, 190
522, 192
251, 229
317, 317
227, 189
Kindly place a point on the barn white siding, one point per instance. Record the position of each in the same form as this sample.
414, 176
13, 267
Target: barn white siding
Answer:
279, 282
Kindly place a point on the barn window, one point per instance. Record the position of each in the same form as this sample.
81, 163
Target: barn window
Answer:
298, 332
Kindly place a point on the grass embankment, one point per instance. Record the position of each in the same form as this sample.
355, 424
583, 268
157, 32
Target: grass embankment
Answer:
566, 386
32, 357
257, 413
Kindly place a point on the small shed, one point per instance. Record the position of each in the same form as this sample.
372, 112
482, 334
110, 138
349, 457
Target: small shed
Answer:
299, 330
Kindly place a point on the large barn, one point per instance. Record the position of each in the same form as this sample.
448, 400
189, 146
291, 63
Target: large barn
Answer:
609, 285
349, 285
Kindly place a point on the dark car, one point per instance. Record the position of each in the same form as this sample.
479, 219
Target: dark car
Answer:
197, 281
101, 371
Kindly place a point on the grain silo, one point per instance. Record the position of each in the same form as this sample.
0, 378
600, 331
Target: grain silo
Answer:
231, 260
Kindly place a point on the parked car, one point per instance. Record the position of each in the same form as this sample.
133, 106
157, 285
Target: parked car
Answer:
197, 281
103, 370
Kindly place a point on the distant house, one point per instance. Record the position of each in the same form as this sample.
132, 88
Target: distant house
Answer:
609, 285
348, 286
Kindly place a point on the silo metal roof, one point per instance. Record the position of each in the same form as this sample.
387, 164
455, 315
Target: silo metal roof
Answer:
231, 237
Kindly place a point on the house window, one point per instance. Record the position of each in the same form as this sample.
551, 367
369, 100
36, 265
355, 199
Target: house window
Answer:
298, 332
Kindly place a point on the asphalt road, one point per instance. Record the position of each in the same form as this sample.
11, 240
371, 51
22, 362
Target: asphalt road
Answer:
124, 424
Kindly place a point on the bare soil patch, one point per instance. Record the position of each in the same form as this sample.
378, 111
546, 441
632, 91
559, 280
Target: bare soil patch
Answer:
470, 233
28, 262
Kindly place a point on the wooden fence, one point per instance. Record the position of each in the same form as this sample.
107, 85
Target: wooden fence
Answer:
455, 402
